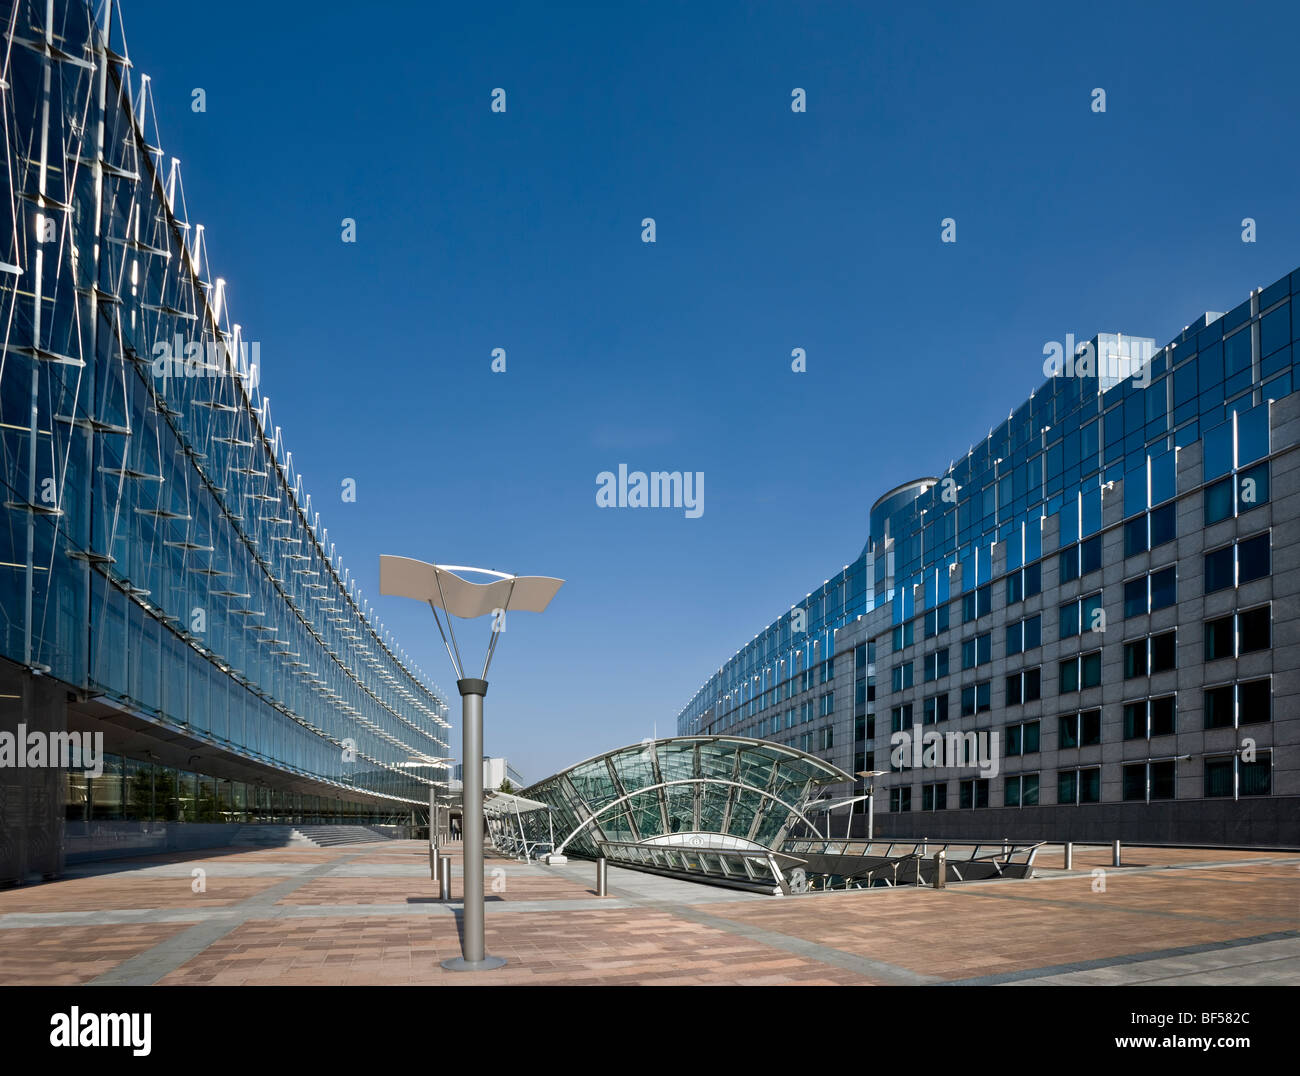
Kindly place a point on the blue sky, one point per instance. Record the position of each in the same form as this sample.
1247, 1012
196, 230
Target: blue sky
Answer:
775, 230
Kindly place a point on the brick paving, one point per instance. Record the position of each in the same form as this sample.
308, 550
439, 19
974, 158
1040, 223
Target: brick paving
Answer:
369, 914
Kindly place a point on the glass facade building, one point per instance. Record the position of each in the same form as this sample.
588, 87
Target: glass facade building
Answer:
1099, 583
164, 578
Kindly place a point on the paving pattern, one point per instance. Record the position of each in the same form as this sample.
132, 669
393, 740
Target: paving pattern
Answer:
369, 914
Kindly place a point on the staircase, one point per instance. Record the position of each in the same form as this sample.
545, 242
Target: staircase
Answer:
334, 836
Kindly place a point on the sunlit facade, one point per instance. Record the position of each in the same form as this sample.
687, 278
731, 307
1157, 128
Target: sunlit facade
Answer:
1101, 584
164, 578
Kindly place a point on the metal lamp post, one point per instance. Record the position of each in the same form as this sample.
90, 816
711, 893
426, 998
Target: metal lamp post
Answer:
442, 588
871, 800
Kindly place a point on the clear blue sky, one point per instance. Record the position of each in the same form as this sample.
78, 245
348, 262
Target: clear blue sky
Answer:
775, 230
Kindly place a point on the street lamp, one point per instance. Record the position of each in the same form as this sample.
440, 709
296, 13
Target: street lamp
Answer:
424, 762
442, 588
871, 800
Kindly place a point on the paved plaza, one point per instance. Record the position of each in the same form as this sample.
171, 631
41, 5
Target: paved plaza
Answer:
369, 914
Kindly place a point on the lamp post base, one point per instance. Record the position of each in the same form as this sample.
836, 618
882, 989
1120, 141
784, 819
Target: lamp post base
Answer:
486, 964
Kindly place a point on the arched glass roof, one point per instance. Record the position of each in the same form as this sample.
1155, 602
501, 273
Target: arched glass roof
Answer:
711, 786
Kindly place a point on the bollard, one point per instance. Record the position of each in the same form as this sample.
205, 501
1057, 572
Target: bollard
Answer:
444, 877
1069, 855
940, 869
433, 861
602, 877
1115, 857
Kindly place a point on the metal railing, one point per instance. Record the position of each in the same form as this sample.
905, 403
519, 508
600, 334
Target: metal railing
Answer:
760, 870
896, 856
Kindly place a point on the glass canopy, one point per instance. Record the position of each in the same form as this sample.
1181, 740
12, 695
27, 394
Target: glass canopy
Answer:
705, 791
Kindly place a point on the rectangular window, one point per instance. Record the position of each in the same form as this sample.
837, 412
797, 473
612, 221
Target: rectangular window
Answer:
1219, 569
1135, 536
1135, 659
1254, 629
1255, 701
1164, 588
936, 620
936, 664
1218, 501
1135, 782
936, 709
1219, 638
1219, 777
901, 676
1090, 555
900, 799
934, 797
1078, 786
1218, 707
1164, 525
1162, 722
1256, 778
1089, 728
973, 794
976, 603
1021, 791
1163, 652
1253, 560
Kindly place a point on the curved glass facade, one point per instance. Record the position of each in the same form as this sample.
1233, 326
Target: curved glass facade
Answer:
729, 791
158, 554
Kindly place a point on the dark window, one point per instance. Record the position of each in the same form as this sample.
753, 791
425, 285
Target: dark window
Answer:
1254, 701
1162, 780
1162, 716
1135, 720
1033, 579
1218, 707
1135, 782
1219, 638
1068, 562
1013, 690
1135, 596
1033, 632
1163, 652
1255, 629
1067, 786
1031, 737
1218, 569
1135, 536
1218, 777
1164, 588
1067, 676
1090, 554
1090, 786
1089, 728
1033, 685
1135, 659
1069, 731
1218, 501
1256, 777
1164, 525
1252, 558
936, 709
1090, 669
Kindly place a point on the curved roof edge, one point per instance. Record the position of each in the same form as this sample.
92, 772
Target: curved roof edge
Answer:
835, 775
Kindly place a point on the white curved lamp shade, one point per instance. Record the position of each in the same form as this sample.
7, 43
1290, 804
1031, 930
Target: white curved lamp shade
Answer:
404, 577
